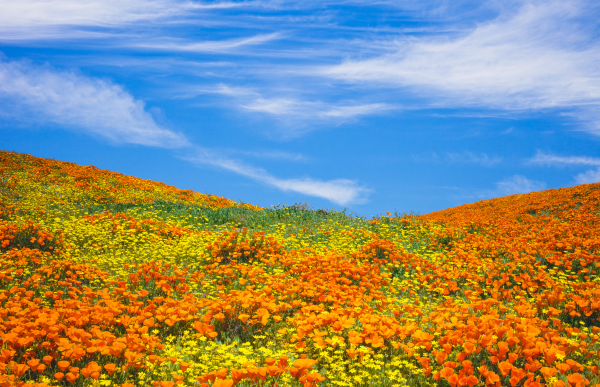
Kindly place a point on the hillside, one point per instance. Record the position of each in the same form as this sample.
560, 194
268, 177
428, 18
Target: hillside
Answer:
111, 280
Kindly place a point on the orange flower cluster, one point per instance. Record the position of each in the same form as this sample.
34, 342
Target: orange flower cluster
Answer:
26, 235
333, 298
241, 247
265, 376
53, 323
537, 253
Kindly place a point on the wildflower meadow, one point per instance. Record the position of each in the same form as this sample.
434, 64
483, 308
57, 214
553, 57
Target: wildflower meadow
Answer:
110, 280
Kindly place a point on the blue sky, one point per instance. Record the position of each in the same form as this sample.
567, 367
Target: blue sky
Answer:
372, 106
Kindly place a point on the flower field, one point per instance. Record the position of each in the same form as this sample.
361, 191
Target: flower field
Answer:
111, 280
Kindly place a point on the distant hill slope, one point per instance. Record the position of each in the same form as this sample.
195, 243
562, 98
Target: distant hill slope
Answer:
564, 203
45, 181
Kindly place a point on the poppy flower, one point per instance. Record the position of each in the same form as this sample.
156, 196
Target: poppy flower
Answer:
563, 367
351, 352
505, 367
63, 365
183, 365
86, 372
178, 378
492, 378
33, 364
6, 355
110, 368
295, 372
446, 372
72, 377
19, 369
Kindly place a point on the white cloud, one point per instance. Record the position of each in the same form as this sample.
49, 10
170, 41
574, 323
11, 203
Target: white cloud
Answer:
356, 110
542, 158
291, 108
277, 106
211, 46
339, 191
95, 106
539, 57
55, 19
470, 157
466, 157
517, 184
273, 155
36, 13
588, 177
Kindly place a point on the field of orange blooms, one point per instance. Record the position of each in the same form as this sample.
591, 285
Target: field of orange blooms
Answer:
111, 280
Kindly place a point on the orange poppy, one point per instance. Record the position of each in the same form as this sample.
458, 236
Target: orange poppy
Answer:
446, 372
563, 367
72, 377
505, 368
223, 383
63, 365
19, 369
352, 353
178, 378
110, 368
183, 365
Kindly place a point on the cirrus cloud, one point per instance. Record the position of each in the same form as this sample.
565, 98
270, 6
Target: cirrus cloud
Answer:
338, 191
81, 103
542, 158
539, 57
588, 177
57, 19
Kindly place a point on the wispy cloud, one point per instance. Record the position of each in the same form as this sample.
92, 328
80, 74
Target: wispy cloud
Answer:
92, 105
588, 177
542, 158
288, 107
339, 191
271, 154
209, 46
470, 157
296, 109
56, 19
538, 57
466, 157
516, 184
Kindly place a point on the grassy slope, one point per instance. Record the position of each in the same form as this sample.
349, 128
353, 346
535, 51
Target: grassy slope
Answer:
107, 279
